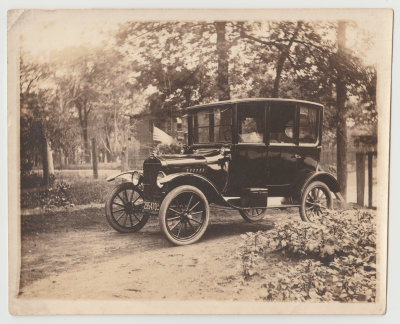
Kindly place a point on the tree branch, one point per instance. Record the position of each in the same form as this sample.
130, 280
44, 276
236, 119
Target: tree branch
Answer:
243, 34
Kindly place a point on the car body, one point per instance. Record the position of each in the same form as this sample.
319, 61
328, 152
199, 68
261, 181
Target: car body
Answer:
239, 153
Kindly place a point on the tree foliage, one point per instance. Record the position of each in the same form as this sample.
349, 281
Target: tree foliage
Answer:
160, 67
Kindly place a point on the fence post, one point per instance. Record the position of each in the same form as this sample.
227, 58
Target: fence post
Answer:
95, 159
370, 156
360, 175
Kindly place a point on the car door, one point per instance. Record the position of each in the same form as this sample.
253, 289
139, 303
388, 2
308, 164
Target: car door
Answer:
247, 168
282, 137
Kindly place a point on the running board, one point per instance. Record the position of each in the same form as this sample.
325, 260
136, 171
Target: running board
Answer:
231, 198
283, 206
268, 207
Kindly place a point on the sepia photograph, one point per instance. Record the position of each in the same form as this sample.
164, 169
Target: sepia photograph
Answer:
198, 161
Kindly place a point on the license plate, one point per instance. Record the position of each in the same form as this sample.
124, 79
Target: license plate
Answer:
151, 206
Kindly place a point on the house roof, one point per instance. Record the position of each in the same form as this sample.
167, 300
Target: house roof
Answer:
234, 101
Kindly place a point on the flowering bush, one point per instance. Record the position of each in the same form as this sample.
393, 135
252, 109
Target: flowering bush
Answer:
334, 258
56, 196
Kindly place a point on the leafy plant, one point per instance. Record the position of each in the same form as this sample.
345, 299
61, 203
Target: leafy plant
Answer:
334, 258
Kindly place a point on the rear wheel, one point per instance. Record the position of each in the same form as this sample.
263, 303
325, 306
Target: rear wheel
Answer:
124, 208
253, 214
184, 215
316, 200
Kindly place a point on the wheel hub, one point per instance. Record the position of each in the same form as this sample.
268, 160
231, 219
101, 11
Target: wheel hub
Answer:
186, 217
317, 206
129, 208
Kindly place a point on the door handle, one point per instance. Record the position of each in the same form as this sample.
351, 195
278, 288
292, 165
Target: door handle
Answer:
296, 156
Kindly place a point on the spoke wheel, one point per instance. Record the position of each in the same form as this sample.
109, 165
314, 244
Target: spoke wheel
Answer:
124, 208
184, 215
316, 200
253, 215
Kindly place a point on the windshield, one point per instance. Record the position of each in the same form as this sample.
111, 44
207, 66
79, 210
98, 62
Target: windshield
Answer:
212, 125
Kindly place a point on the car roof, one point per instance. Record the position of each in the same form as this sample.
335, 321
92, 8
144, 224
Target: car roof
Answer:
234, 101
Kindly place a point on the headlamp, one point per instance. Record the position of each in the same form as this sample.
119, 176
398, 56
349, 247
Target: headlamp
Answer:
160, 175
135, 178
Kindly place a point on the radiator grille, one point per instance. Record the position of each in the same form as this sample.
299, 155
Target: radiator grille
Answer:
150, 170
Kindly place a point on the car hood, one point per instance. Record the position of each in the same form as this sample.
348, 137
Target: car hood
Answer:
203, 157
199, 157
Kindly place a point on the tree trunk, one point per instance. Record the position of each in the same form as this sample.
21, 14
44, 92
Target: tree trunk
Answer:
124, 159
45, 163
282, 59
223, 62
341, 129
73, 157
47, 158
95, 159
83, 121
115, 131
86, 144
50, 159
360, 176
107, 150
279, 68
370, 179
61, 159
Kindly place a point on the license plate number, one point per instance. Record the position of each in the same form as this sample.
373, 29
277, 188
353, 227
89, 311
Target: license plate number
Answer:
151, 206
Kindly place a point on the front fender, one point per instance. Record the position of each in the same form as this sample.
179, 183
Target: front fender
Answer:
204, 184
126, 175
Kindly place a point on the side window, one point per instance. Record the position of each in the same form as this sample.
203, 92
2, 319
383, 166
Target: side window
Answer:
251, 124
282, 123
308, 132
202, 122
223, 124
213, 125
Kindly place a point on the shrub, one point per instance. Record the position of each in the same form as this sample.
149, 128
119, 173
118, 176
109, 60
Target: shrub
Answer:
173, 148
334, 258
79, 191
55, 196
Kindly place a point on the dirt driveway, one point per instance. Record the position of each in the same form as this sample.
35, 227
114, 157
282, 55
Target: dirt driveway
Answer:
77, 255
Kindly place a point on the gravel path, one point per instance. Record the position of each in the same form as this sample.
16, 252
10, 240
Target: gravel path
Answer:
75, 254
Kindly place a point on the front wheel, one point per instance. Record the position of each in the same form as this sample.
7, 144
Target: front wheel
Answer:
124, 208
184, 215
315, 201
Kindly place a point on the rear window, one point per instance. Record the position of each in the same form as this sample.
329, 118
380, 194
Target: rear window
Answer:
308, 132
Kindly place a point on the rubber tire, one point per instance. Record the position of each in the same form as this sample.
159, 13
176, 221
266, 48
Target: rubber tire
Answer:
163, 212
249, 219
306, 191
110, 219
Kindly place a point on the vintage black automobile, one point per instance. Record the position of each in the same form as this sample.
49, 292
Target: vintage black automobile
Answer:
239, 153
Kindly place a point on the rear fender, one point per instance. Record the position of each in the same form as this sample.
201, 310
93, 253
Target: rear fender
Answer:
127, 175
322, 176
